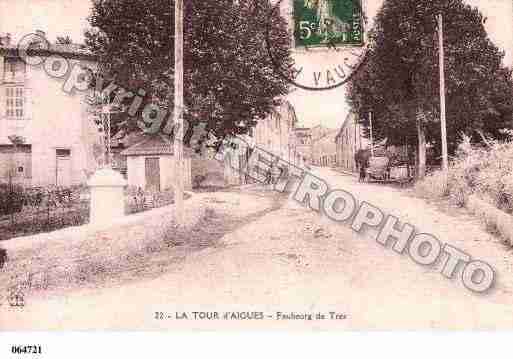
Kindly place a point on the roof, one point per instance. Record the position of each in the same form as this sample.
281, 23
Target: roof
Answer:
123, 139
345, 123
329, 135
152, 145
65, 50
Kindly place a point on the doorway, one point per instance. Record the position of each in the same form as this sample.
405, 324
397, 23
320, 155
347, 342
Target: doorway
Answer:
63, 168
152, 173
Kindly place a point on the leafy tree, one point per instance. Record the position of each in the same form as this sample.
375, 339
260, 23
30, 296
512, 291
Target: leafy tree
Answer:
229, 81
400, 81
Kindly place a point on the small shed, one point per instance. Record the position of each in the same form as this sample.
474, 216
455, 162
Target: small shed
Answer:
150, 164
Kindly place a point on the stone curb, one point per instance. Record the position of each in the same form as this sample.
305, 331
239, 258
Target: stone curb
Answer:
491, 215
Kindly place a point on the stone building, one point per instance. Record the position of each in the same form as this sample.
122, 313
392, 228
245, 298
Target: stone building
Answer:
304, 144
324, 152
349, 141
57, 128
150, 164
276, 134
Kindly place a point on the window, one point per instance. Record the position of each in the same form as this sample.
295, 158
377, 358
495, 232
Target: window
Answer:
14, 69
63, 152
15, 101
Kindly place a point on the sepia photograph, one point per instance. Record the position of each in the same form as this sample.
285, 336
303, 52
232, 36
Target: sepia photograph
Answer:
255, 165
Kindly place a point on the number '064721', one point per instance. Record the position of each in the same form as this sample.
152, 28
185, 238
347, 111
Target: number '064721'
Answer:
26, 349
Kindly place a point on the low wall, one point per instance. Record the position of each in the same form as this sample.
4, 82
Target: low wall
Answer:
492, 216
77, 254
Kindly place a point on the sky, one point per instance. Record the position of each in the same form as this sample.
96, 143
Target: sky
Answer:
55, 17
329, 108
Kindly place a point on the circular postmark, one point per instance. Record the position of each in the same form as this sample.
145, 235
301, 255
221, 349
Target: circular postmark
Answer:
328, 42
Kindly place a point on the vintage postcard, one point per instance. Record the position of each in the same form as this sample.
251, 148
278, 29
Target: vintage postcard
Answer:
291, 165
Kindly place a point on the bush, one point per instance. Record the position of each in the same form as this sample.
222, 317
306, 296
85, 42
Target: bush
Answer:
139, 200
11, 199
41, 209
483, 171
432, 186
198, 180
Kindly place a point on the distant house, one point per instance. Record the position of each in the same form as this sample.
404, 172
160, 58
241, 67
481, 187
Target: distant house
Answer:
59, 133
324, 151
309, 141
276, 133
349, 141
150, 164
304, 144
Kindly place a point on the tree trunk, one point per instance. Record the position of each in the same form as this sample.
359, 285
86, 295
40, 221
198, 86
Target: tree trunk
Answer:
421, 148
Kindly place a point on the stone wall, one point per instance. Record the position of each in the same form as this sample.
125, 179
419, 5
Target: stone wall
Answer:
76, 255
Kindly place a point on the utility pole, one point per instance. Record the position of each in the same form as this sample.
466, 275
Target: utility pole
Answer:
178, 114
371, 135
355, 147
107, 109
445, 160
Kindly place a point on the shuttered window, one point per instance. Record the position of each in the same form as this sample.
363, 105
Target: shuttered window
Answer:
15, 103
15, 70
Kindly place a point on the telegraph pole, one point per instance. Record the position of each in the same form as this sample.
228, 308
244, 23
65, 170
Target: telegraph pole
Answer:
445, 159
371, 134
107, 111
178, 114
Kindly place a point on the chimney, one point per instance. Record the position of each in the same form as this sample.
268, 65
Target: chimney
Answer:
5, 39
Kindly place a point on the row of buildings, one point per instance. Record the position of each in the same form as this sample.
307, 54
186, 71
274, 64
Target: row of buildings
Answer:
326, 147
62, 146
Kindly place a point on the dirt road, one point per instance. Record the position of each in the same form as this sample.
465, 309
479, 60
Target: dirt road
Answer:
293, 260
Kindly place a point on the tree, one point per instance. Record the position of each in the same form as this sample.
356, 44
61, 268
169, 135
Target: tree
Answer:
400, 81
229, 79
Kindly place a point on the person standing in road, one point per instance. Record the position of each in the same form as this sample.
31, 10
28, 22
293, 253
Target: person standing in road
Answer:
363, 172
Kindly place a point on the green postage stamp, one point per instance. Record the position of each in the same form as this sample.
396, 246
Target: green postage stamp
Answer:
328, 22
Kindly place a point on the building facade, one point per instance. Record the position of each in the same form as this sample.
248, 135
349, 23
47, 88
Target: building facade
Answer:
276, 134
57, 129
324, 152
349, 141
150, 164
304, 144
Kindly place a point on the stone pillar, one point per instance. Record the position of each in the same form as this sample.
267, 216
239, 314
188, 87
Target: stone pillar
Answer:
107, 196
